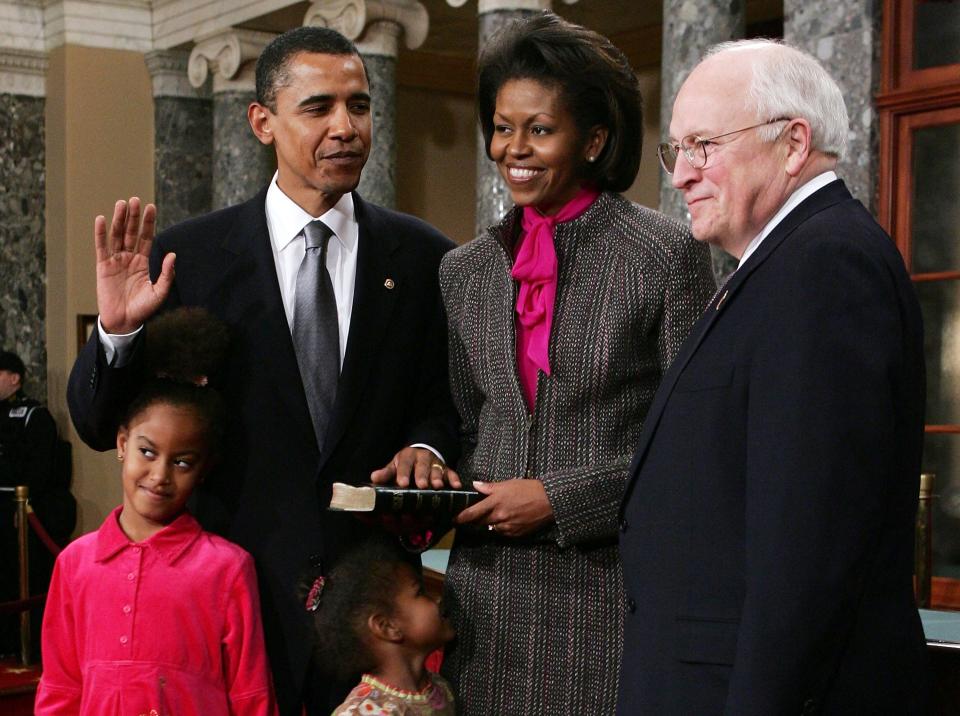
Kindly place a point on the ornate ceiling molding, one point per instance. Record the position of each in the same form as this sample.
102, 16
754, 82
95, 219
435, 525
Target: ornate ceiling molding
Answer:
375, 25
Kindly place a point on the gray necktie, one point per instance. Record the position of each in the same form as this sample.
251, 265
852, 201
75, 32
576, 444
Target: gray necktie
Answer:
316, 333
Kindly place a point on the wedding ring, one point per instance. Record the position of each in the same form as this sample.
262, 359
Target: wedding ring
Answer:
438, 466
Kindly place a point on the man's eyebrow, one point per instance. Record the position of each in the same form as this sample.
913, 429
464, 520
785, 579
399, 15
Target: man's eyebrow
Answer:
324, 98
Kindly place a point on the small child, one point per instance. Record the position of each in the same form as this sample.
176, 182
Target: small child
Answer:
373, 617
150, 614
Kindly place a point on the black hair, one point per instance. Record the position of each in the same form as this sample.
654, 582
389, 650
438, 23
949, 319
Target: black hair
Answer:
272, 65
363, 582
11, 362
595, 80
185, 350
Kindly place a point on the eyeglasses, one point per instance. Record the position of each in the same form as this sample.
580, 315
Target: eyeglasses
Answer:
694, 148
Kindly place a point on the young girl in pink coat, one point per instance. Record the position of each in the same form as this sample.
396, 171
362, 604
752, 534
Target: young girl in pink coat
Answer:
150, 614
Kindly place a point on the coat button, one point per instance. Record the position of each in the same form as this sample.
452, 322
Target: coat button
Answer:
809, 707
123, 640
631, 605
623, 525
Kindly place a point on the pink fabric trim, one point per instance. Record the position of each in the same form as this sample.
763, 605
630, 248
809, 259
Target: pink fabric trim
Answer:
535, 268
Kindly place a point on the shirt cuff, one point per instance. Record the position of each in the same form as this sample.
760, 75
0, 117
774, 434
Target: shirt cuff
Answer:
117, 347
431, 449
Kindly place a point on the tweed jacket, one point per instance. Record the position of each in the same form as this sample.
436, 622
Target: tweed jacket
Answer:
539, 619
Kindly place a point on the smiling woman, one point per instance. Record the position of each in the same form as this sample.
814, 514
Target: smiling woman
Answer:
562, 319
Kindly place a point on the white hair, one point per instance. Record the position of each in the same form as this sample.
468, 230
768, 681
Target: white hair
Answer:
788, 82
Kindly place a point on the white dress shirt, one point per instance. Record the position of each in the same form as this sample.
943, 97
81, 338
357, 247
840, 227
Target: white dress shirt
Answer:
815, 184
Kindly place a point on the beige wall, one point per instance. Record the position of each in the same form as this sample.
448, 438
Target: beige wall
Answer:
99, 124
436, 155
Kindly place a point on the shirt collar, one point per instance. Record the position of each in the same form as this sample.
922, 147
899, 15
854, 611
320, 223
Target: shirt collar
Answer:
170, 542
286, 218
812, 186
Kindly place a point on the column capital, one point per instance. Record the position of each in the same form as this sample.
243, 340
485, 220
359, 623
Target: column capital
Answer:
375, 25
23, 72
229, 55
168, 74
485, 6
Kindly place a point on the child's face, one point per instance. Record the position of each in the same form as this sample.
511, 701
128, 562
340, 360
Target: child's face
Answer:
165, 455
418, 615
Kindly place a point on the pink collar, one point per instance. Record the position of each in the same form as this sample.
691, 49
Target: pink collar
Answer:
535, 268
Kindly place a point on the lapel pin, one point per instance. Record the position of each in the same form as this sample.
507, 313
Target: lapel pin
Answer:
722, 299
389, 284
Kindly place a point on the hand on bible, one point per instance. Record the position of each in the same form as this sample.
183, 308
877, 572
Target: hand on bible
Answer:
125, 296
426, 469
513, 508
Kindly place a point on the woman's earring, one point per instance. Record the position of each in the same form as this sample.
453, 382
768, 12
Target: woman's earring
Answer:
591, 159
120, 456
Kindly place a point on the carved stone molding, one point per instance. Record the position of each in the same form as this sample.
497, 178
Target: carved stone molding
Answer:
168, 74
485, 6
23, 72
229, 56
375, 25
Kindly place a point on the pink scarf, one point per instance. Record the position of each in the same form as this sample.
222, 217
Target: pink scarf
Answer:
535, 268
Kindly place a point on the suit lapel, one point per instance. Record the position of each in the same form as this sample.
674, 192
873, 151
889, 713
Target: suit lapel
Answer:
380, 280
829, 195
250, 294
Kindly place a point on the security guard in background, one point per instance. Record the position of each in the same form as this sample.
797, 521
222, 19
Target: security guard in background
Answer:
30, 454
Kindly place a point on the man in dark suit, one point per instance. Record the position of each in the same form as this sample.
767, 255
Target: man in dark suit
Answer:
295, 427
767, 527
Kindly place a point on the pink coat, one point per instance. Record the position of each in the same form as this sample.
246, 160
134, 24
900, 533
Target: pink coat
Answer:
167, 626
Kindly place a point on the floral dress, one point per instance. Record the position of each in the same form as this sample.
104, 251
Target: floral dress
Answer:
375, 698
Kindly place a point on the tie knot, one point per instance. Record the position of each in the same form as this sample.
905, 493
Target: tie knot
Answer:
316, 234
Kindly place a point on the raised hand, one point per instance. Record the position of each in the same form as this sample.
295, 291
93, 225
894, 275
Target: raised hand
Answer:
126, 298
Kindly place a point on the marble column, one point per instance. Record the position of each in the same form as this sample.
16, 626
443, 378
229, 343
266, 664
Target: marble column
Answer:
690, 27
183, 143
376, 26
844, 35
241, 165
22, 205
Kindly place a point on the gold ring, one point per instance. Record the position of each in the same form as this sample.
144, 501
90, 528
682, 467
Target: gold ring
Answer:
438, 466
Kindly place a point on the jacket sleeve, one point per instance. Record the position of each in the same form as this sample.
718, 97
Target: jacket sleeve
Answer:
61, 685
825, 409
245, 667
586, 500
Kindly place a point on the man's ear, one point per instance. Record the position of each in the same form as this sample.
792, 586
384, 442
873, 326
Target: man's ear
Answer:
799, 141
260, 118
17, 381
383, 628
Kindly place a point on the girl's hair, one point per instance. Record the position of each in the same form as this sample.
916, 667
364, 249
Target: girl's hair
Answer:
363, 582
185, 350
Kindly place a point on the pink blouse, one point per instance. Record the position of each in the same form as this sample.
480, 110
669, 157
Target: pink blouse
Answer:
166, 626
535, 269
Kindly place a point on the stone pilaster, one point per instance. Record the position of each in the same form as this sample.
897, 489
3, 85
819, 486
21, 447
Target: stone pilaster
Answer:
376, 27
690, 27
183, 145
23, 271
844, 35
241, 165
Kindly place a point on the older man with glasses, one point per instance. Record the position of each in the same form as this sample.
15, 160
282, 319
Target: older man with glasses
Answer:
767, 527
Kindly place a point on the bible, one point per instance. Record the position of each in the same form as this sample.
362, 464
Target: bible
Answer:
382, 499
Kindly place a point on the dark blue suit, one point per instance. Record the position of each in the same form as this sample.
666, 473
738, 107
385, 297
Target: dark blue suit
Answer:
268, 495
767, 527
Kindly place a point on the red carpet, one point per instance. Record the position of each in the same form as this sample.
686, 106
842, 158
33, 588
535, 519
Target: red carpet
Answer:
17, 687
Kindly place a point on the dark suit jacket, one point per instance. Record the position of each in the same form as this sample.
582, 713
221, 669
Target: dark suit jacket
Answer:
270, 491
767, 528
